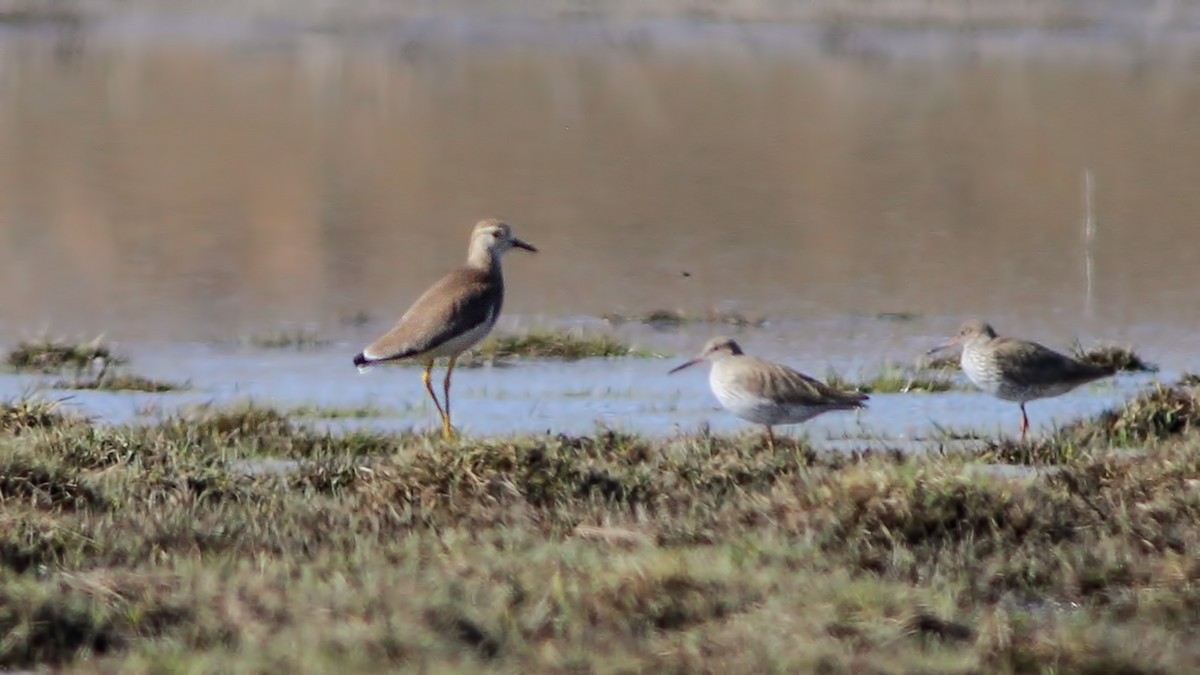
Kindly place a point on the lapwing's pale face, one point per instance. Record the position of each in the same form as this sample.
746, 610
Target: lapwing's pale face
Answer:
498, 237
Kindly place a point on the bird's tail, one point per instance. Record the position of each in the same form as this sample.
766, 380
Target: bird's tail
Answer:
362, 362
856, 399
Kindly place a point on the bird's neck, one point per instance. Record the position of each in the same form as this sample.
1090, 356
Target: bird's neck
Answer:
484, 259
974, 347
725, 361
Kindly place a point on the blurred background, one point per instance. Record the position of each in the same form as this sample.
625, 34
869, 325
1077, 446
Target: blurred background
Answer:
190, 171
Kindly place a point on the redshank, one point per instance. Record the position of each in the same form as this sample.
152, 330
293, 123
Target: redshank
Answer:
1017, 370
767, 393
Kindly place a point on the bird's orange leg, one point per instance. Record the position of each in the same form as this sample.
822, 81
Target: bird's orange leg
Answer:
425, 377
447, 430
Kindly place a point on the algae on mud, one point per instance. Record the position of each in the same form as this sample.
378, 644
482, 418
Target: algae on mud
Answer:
143, 548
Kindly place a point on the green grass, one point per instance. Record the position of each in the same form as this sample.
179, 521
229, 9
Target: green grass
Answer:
566, 346
674, 318
893, 379
56, 356
146, 549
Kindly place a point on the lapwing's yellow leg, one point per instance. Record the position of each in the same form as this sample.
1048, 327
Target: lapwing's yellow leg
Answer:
447, 430
425, 377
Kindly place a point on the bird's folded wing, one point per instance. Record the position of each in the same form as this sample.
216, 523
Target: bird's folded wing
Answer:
785, 385
457, 303
1030, 364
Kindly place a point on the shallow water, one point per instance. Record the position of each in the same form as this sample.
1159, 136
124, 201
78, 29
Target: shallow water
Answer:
172, 183
536, 397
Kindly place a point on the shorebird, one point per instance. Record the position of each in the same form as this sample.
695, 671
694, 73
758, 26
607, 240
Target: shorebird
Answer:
767, 393
453, 315
1017, 370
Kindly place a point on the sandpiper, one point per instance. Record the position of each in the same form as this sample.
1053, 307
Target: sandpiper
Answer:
453, 315
767, 393
1017, 370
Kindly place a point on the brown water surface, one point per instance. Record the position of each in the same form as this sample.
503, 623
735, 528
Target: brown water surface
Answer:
174, 187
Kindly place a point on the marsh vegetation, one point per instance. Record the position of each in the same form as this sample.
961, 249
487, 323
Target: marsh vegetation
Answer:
143, 548
561, 345
93, 365
50, 356
677, 318
894, 379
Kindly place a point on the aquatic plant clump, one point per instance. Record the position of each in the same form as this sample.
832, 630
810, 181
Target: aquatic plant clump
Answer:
674, 318
1159, 414
111, 381
53, 356
1114, 359
894, 380
567, 346
297, 338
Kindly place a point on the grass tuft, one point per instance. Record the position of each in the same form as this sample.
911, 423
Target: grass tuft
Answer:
1114, 359
41, 485
675, 318
120, 382
1158, 414
892, 379
1189, 380
1054, 450
567, 346
51, 356
289, 338
336, 413
26, 414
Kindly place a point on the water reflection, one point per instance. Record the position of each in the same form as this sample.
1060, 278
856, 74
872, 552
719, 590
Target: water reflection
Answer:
166, 188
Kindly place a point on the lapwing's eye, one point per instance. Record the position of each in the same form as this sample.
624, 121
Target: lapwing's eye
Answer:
496, 234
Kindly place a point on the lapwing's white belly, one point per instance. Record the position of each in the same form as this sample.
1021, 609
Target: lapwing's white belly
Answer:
463, 341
